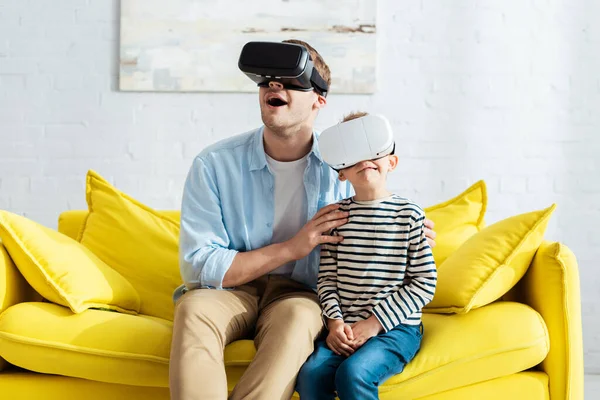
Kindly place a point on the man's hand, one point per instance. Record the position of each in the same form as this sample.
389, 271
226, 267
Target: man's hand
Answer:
430, 233
340, 337
365, 330
313, 233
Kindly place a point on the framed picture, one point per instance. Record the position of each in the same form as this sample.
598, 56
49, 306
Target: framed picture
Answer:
194, 45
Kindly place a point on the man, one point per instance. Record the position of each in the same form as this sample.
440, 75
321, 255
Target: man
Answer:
255, 207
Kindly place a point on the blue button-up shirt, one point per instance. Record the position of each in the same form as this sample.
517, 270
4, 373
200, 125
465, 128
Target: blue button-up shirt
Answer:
228, 206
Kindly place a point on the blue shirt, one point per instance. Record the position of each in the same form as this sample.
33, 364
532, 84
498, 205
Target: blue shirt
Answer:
228, 207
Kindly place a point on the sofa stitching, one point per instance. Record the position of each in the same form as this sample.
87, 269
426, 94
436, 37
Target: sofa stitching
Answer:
67, 347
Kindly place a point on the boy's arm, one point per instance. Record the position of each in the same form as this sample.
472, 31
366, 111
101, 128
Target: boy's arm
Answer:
327, 282
422, 275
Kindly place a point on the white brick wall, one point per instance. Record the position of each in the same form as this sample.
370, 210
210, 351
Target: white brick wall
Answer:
506, 91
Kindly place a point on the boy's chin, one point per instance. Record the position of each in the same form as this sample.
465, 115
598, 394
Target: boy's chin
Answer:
366, 182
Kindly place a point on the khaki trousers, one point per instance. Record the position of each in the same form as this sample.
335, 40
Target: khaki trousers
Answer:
283, 316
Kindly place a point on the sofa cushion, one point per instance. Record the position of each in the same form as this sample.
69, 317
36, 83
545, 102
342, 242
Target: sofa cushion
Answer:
62, 270
97, 345
457, 350
457, 219
136, 241
461, 349
490, 263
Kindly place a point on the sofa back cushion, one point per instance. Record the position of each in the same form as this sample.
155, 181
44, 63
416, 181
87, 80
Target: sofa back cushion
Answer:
457, 219
490, 263
135, 240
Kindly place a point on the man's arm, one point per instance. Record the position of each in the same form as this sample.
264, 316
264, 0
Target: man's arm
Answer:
204, 253
250, 265
205, 256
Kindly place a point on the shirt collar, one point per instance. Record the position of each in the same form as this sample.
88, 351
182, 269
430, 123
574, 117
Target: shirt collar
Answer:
258, 159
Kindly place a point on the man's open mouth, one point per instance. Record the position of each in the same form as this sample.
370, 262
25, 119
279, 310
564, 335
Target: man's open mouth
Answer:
276, 102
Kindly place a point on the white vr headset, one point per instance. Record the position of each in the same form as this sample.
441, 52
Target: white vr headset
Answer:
348, 143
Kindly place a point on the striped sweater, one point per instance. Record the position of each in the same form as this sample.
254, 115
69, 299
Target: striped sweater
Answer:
384, 265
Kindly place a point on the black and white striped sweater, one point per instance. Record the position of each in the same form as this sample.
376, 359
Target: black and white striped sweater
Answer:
383, 267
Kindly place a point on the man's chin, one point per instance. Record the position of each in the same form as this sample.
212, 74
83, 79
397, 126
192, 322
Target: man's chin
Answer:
273, 121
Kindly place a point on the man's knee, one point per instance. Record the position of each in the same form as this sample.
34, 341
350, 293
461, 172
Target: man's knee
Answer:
196, 316
191, 309
298, 314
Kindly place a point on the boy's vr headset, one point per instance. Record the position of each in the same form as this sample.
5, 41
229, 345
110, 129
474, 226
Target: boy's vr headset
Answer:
348, 143
287, 63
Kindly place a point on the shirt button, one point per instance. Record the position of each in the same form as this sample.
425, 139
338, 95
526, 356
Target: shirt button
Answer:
269, 224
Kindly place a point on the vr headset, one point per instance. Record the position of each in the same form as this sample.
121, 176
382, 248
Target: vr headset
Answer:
287, 63
348, 143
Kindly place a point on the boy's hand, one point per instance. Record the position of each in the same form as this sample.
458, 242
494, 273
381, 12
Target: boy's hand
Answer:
364, 330
340, 337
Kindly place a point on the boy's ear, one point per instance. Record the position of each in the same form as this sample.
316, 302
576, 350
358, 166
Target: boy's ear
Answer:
341, 176
393, 160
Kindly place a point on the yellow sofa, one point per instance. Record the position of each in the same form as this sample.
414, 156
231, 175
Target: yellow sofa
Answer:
528, 345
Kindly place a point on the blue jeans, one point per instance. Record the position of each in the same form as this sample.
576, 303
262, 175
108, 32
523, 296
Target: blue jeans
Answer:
358, 376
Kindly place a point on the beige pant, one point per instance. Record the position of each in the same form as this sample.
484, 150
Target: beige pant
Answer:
283, 316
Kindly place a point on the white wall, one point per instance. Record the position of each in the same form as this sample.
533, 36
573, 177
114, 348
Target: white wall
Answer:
502, 90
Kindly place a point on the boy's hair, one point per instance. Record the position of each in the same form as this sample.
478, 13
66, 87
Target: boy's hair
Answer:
354, 115
318, 61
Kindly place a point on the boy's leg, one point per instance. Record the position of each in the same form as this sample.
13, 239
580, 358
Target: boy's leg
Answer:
206, 320
288, 324
316, 380
380, 358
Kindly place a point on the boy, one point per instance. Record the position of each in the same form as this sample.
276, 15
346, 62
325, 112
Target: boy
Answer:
371, 286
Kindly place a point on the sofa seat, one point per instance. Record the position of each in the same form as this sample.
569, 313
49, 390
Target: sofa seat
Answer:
458, 350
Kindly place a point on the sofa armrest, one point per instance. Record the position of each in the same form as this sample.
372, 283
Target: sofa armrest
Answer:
13, 287
551, 287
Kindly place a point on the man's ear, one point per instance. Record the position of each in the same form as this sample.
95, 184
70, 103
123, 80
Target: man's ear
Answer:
393, 160
320, 102
341, 176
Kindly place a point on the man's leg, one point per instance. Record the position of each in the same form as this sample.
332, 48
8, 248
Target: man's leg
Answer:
316, 380
206, 320
287, 327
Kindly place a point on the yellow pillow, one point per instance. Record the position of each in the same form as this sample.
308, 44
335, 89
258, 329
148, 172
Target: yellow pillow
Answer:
490, 263
62, 270
457, 219
136, 241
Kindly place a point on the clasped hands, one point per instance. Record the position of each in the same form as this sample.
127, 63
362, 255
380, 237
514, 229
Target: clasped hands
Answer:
344, 339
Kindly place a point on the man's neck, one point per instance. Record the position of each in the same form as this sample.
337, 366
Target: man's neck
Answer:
288, 147
370, 193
